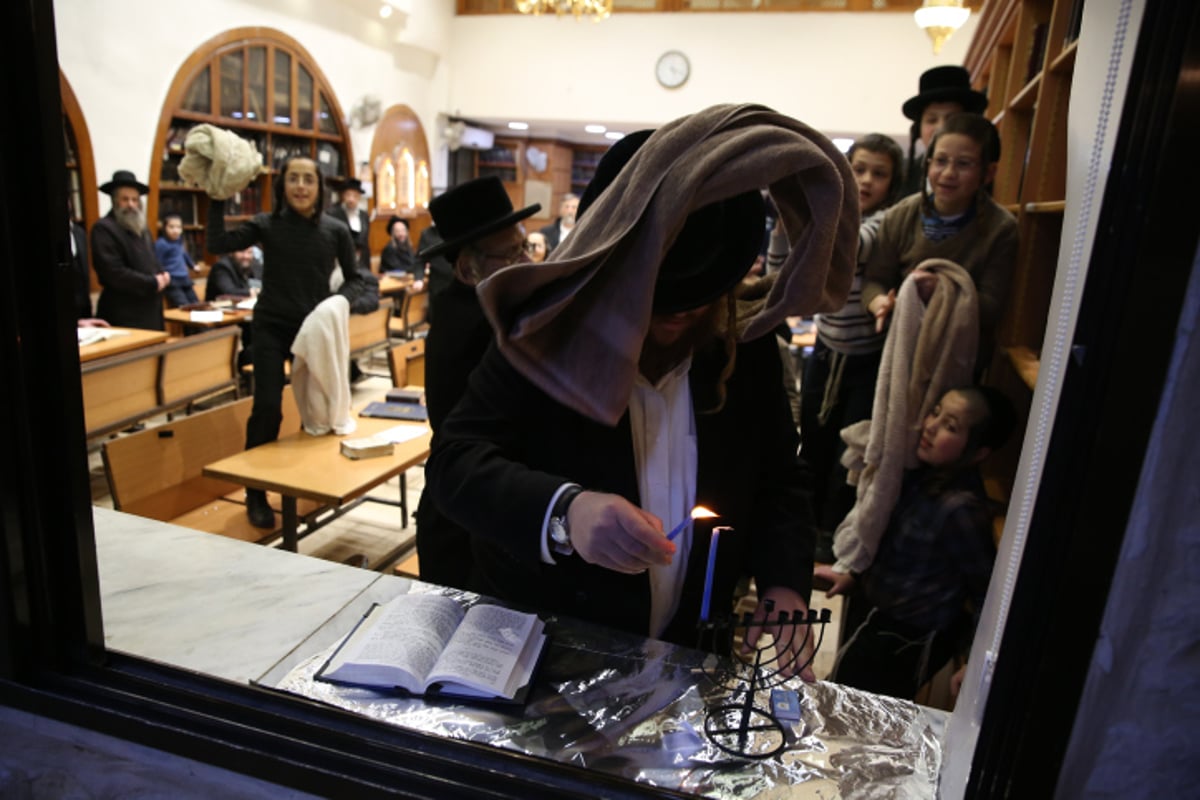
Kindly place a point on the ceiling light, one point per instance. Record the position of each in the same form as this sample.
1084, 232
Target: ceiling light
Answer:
614, 135
596, 9
595, 128
940, 19
385, 11
518, 126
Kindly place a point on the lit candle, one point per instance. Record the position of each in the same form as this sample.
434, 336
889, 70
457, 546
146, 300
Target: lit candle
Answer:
708, 572
699, 512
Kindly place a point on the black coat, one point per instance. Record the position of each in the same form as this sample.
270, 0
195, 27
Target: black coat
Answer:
226, 278
81, 280
399, 258
127, 269
506, 448
361, 237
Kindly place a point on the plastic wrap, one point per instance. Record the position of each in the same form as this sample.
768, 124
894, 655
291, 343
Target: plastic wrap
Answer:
616, 703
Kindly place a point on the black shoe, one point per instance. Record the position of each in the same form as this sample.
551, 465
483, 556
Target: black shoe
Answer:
260, 514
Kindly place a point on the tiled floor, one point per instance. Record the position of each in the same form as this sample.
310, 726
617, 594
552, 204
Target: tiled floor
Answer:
374, 529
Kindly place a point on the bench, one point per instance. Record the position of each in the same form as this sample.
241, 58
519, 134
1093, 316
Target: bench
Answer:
124, 389
157, 473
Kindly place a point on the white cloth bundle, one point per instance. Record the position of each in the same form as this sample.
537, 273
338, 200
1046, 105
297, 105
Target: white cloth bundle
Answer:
219, 161
321, 371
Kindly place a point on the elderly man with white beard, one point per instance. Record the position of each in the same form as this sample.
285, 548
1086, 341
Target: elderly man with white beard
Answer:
130, 276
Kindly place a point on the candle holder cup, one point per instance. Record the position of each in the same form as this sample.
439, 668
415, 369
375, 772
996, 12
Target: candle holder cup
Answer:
739, 722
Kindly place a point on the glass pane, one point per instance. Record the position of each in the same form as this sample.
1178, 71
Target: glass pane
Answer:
231, 84
256, 69
326, 122
282, 106
304, 98
198, 94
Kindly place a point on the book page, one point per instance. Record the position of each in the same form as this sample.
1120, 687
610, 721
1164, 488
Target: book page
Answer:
399, 643
484, 653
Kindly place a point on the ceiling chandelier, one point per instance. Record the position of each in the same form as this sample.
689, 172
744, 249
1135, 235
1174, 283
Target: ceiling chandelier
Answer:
596, 9
940, 19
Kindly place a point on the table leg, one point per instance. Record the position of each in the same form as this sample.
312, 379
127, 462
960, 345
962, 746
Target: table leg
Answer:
291, 523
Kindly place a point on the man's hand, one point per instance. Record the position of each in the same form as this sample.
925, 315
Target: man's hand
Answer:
839, 582
609, 531
793, 643
881, 307
163, 279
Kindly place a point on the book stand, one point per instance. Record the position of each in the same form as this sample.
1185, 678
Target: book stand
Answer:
737, 724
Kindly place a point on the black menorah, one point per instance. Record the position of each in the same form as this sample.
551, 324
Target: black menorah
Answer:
736, 723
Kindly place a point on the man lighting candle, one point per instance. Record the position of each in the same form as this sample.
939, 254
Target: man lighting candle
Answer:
563, 461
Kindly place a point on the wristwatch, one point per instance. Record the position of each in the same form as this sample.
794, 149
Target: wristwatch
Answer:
560, 530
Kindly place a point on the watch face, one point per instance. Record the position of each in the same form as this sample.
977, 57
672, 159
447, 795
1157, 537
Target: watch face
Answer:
672, 69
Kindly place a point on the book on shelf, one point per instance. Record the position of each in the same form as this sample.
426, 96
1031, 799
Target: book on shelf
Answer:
427, 645
1074, 21
1037, 51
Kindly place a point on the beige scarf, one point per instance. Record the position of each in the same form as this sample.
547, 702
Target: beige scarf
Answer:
574, 326
927, 351
219, 161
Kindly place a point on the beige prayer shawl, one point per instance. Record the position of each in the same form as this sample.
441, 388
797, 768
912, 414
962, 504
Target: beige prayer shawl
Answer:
574, 326
219, 161
927, 351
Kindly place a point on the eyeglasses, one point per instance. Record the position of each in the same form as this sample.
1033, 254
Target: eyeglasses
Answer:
533, 247
960, 164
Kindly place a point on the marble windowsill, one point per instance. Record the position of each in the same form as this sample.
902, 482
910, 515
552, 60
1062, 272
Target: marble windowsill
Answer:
230, 609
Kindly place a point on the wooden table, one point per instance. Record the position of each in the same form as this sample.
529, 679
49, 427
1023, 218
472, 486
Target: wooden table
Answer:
130, 339
312, 467
178, 321
390, 286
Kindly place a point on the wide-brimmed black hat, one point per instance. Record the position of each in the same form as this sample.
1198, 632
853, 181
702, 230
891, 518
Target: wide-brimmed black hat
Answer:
123, 177
948, 84
713, 251
351, 183
471, 211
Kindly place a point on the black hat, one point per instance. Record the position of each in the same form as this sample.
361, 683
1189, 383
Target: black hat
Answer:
471, 211
351, 183
392, 221
123, 177
944, 85
713, 251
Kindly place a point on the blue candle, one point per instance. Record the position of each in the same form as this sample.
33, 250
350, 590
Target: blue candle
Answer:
708, 573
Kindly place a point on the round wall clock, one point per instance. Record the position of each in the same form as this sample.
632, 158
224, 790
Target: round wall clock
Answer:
672, 69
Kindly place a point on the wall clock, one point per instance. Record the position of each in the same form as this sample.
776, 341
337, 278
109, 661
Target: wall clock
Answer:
672, 69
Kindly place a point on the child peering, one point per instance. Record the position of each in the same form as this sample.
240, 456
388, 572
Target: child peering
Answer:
839, 377
928, 581
955, 219
175, 259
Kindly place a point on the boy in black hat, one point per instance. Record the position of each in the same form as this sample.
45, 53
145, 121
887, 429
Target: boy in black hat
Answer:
123, 256
356, 219
567, 513
480, 233
943, 91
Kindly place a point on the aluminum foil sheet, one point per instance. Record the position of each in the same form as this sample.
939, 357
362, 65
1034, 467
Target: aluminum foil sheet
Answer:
633, 707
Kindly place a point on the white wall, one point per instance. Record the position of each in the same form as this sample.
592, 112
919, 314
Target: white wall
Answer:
839, 72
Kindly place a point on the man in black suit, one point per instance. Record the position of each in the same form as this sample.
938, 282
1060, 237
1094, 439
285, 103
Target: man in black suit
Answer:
348, 211
567, 513
130, 276
79, 267
478, 233
557, 231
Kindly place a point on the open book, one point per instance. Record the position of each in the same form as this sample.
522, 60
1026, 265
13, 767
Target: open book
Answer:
425, 644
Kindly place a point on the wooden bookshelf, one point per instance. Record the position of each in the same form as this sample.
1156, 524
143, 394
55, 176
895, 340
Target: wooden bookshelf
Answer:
264, 86
82, 191
1023, 56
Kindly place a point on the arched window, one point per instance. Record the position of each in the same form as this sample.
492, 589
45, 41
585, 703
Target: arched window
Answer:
263, 85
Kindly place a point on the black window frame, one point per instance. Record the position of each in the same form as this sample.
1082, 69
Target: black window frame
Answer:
52, 656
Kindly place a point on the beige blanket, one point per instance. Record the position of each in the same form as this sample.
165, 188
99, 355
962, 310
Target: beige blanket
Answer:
219, 161
574, 326
321, 369
927, 351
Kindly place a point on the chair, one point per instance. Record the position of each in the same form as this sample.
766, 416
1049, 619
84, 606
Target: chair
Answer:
413, 319
406, 362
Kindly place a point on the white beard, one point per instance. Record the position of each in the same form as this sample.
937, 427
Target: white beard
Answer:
133, 220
